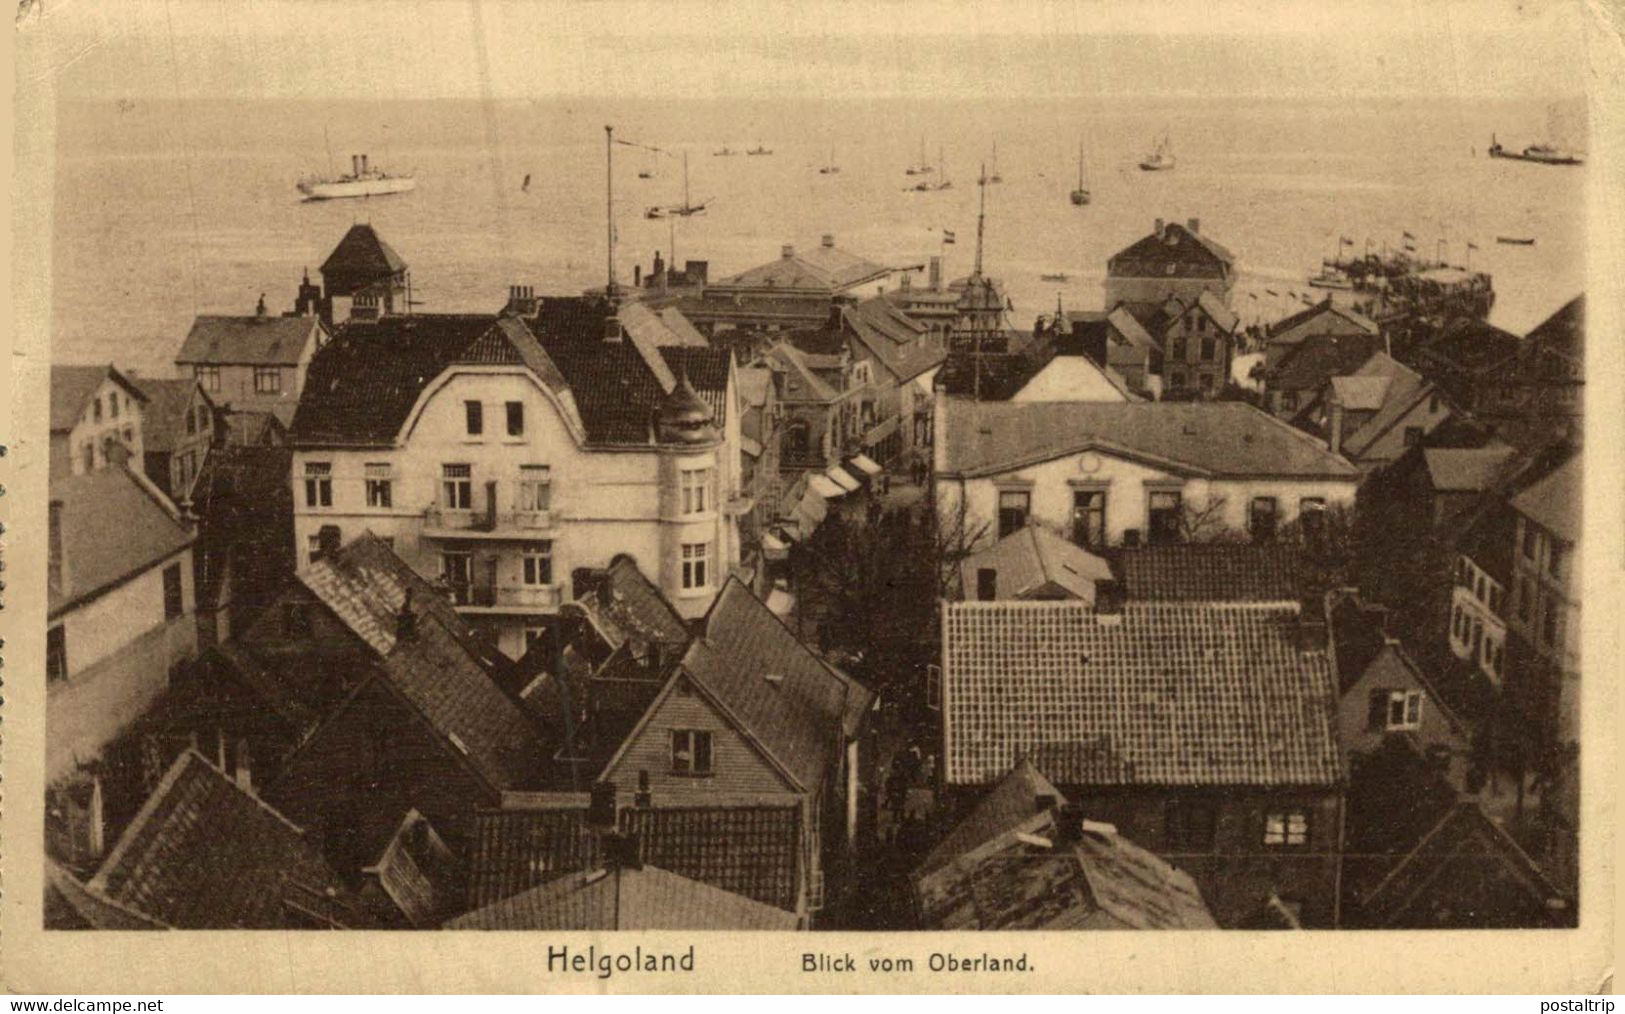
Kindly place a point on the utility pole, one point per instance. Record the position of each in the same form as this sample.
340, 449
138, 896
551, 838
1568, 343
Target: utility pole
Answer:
609, 203
981, 214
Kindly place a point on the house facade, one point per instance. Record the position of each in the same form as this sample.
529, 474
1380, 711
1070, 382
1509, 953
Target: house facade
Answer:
1128, 474
254, 363
121, 608
497, 465
180, 426
96, 419
1545, 594
1173, 262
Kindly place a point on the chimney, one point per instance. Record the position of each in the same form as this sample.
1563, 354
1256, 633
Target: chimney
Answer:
936, 273
355, 165
644, 799
327, 541
58, 563
829, 241
1334, 439
259, 308
1194, 225
1159, 228
364, 166
406, 621
612, 329
601, 809
637, 276
787, 251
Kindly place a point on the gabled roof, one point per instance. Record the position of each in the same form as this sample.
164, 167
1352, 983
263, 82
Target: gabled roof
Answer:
204, 854
1217, 312
362, 252
801, 719
1215, 438
1472, 345
1031, 558
1127, 325
903, 345
1173, 241
1168, 694
439, 669
1392, 663
1320, 319
163, 424
819, 268
1031, 877
115, 524
795, 360
1014, 800
623, 604
1465, 469
1405, 389
1553, 502
421, 877
1317, 358
254, 429
746, 848
627, 899
72, 386
1563, 331
1212, 572
248, 341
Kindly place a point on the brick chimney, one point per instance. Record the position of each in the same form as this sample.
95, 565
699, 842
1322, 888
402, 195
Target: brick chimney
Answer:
787, 251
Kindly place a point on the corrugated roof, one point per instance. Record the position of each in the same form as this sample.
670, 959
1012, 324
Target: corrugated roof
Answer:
627, 899
204, 854
248, 341
72, 386
115, 524
1031, 558
1212, 572
1553, 502
1224, 439
1171, 694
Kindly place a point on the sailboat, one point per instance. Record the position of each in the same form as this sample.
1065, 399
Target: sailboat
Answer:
724, 150
941, 183
830, 168
1080, 195
760, 149
993, 177
920, 168
1160, 159
686, 208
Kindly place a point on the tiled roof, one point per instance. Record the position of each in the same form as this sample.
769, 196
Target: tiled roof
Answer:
746, 849
1030, 877
800, 720
1563, 331
204, 854
624, 604
1553, 502
243, 500
1219, 439
115, 524
996, 376
163, 424
438, 670
1032, 558
626, 899
1317, 358
419, 874
1465, 469
1472, 345
1293, 328
903, 345
1014, 800
1164, 694
72, 386
813, 268
1175, 237
362, 252
1212, 572
248, 341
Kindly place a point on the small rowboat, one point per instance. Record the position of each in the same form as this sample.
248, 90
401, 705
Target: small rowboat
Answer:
1516, 240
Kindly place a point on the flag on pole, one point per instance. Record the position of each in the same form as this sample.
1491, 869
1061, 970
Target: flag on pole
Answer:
947, 235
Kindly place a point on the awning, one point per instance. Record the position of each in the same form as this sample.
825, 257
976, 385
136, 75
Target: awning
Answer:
750, 446
843, 479
827, 487
863, 464
812, 508
880, 432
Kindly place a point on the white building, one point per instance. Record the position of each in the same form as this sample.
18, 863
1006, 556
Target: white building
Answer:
94, 409
499, 459
1128, 473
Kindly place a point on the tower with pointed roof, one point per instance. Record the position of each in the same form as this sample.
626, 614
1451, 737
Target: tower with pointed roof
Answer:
363, 278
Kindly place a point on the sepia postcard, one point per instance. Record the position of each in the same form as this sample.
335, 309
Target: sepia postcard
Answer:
832, 497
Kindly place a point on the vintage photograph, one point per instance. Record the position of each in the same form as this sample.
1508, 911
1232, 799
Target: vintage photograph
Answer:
596, 467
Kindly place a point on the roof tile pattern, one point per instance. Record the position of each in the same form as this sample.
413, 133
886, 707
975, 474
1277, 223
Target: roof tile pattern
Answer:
248, 341
1212, 572
1164, 694
626, 899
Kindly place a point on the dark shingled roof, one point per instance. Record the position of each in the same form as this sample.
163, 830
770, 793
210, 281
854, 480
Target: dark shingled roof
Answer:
1011, 802
363, 253
248, 341
1173, 241
623, 604
1472, 345
115, 524
204, 854
750, 850
1212, 572
1318, 358
72, 386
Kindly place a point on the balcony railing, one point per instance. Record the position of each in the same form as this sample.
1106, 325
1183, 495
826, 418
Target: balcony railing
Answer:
508, 596
443, 519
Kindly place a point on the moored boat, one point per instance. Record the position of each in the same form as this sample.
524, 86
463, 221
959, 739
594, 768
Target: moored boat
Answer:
362, 181
1080, 195
1055, 276
1516, 240
1160, 159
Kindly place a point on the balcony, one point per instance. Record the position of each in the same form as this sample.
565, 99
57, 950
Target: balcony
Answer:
508, 598
445, 523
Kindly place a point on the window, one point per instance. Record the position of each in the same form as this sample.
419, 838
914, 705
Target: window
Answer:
1176, 379
191, 422
1191, 824
1478, 634
172, 592
987, 584
1261, 518
476, 417
112, 405
313, 548
1209, 346
1530, 539
535, 487
1014, 504
1180, 349
1286, 830
1433, 403
1548, 625
516, 418
457, 487
1520, 597
1556, 555
690, 752
1312, 515
379, 491
695, 484
1478, 590
696, 555
56, 654
1396, 710
1413, 436
267, 379
1495, 600
457, 570
318, 484
1166, 518
1458, 620
1089, 517
538, 563
96, 409
1204, 381
208, 376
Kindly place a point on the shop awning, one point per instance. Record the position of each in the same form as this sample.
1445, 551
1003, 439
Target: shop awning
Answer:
880, 432
813, 509
863, 464
827, 487
843, 479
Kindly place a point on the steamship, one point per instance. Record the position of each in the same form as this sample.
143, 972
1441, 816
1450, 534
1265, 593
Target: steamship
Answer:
361, 181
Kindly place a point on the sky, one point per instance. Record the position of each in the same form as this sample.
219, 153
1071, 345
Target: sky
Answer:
516, 49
